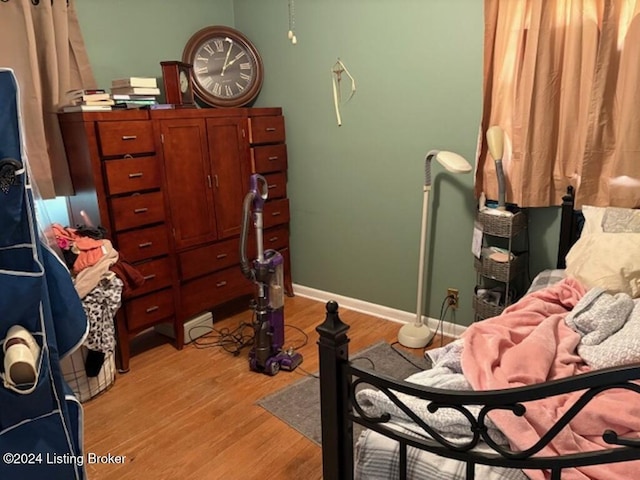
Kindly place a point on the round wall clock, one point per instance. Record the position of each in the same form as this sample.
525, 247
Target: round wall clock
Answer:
227, 68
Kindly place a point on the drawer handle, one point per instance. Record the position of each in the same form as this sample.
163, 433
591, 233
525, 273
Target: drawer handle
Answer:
129, 137
149, 277
270, 129
145, 244
275, 185
275, 157
141, 210
274, 239
221, 284
221, 256
275, 214
152, 309
135, 175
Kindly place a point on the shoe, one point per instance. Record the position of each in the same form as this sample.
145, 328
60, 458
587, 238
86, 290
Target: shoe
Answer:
21, 355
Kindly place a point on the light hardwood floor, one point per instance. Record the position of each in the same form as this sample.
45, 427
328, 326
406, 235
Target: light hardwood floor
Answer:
192, 414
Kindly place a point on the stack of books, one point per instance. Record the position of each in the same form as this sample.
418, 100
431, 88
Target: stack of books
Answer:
88, 100
135, 92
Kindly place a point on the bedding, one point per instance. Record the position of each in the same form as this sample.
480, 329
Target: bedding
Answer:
377, 455
607, 260
540, 338
621, 220
377, 459
607, 254
563, 327
532, 343
545, 279
609, 327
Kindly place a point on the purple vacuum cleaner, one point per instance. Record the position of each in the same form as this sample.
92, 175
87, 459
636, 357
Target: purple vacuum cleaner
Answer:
266, 271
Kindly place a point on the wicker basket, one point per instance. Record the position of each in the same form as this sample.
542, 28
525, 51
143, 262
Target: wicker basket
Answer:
506, 227
500, 271
484, 309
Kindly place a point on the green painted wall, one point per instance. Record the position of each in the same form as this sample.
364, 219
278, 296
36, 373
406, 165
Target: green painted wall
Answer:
356, 190
128, 38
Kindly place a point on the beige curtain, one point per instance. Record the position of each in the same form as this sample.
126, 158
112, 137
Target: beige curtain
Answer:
41, 41
561, 78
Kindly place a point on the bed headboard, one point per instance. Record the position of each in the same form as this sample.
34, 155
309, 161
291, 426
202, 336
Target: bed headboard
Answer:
571, 223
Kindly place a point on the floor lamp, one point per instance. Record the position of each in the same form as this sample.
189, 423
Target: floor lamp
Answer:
417, 334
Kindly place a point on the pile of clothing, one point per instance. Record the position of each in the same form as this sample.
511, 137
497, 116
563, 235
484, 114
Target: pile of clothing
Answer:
100, 277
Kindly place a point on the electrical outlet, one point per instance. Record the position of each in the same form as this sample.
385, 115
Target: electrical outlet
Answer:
452, 294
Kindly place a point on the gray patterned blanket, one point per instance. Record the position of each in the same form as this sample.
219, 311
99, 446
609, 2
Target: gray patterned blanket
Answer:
609, 326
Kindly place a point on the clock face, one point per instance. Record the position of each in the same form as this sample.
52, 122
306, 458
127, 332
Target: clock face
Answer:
227, 70
184, 81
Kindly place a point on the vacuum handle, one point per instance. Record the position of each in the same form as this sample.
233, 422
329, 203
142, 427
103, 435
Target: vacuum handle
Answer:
260, 189
257, 195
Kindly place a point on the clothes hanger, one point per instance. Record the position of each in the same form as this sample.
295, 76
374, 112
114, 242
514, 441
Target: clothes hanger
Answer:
336, 77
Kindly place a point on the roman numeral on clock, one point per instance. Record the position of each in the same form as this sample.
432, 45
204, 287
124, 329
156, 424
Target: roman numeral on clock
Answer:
206, 82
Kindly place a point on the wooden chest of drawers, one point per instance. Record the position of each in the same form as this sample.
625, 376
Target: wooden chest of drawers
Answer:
168, 186
269, 158
118, 181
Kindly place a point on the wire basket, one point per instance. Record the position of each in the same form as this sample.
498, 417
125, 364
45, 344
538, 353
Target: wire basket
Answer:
500, 271
498, 226
485, 309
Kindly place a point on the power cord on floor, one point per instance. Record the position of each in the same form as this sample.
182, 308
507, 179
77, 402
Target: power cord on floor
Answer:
402, 355
304, 335
373, 365
305, 373
233, 341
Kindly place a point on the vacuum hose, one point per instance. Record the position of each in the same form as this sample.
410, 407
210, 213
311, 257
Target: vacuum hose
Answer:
245, 266
495, 139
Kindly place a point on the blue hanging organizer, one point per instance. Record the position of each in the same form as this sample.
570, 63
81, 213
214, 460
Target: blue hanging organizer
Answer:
41, 423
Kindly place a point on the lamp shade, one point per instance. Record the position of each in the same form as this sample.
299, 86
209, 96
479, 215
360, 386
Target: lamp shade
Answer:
495, 141
451, 161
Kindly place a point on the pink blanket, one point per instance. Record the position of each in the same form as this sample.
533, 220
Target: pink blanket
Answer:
530, 343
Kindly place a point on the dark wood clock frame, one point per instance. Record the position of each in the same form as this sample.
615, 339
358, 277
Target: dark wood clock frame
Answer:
190, 55
171, 70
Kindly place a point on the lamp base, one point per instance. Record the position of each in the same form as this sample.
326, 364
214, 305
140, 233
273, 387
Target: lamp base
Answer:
415, 336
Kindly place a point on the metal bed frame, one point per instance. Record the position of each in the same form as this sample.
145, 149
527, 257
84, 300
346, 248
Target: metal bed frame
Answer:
339, 408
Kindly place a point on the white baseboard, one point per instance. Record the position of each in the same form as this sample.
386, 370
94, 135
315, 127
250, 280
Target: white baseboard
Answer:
375, 310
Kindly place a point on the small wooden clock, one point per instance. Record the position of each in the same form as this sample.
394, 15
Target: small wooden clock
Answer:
178, 84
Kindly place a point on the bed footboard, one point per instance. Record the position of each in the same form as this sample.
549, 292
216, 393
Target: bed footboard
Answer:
335, 404
340, 409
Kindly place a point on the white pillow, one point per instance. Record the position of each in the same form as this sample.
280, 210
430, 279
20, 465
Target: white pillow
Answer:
607, 260
592, 219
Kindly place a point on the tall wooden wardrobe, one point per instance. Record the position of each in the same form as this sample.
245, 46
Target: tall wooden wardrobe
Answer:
168, 185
